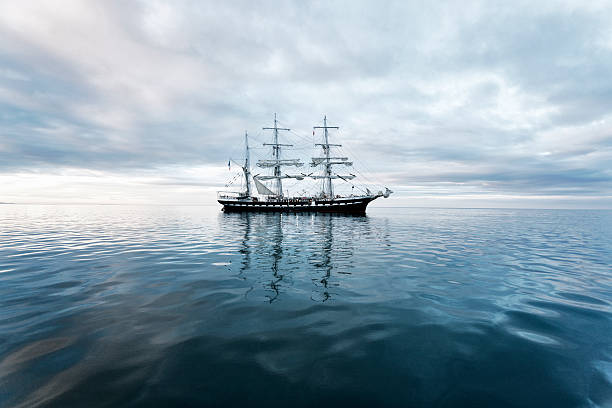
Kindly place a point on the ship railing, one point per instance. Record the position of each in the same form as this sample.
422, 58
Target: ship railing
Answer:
230, 195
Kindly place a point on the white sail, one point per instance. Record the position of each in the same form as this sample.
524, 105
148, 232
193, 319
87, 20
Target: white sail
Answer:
262, 189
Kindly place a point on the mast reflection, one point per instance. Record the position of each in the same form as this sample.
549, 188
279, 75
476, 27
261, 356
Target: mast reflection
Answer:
276, 241
245, 249
324, 230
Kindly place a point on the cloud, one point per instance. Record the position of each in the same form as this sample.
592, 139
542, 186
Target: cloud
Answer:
495, 98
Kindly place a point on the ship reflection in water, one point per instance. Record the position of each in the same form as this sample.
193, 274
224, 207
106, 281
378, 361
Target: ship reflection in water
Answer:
278, 250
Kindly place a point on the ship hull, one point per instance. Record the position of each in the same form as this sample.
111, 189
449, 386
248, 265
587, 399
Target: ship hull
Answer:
339, 206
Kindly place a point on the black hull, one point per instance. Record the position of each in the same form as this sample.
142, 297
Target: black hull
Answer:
355, 206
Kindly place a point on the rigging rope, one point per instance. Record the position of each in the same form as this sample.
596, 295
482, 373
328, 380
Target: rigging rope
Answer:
302, 143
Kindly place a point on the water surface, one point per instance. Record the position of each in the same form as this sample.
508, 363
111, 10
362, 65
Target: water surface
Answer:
188, 306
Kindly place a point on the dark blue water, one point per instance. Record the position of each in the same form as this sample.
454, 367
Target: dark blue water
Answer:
104, 306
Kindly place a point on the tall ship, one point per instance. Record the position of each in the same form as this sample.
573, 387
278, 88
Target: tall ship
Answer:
270, 196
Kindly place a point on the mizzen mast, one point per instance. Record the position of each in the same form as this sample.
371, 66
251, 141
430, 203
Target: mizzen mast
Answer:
247, 165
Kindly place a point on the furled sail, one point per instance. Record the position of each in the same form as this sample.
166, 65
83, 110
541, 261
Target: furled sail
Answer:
262, 189
280, 162
286, 176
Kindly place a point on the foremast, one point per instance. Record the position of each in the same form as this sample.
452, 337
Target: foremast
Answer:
328, 161
276, 162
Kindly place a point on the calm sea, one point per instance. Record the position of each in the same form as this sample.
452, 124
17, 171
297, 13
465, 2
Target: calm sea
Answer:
106, 306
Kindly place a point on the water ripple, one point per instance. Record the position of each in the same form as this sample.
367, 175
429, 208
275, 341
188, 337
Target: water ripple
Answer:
161, 306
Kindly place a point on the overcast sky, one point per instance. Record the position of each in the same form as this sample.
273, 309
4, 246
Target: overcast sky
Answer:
465, 103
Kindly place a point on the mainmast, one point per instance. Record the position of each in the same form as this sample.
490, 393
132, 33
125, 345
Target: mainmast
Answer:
328, 161
276, 161
247, 165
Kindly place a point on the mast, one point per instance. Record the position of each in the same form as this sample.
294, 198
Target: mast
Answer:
247, 165
276, 161
327, 184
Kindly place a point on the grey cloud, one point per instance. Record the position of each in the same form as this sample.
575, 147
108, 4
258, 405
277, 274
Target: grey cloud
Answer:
477, 88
